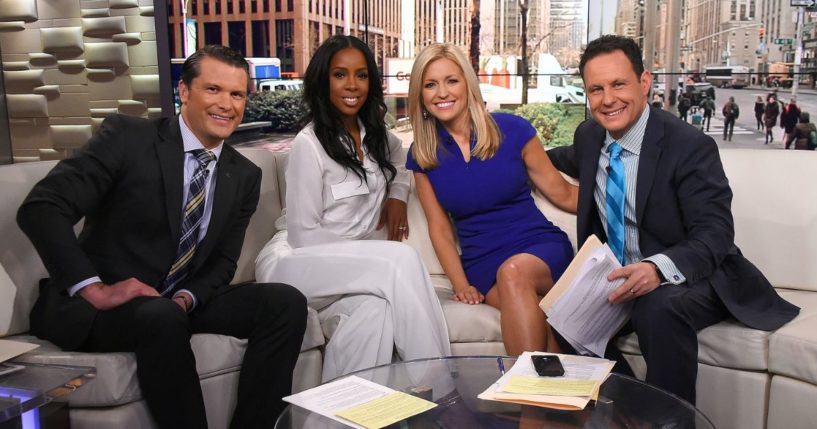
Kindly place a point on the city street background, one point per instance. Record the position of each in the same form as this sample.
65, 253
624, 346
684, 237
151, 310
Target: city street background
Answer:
746, 135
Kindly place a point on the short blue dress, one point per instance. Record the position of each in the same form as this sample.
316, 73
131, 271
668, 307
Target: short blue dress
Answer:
491, 206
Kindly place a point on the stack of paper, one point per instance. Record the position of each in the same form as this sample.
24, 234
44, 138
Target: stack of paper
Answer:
360, 403
572, 391
577, 305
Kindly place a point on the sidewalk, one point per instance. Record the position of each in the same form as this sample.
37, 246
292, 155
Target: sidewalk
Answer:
800, 90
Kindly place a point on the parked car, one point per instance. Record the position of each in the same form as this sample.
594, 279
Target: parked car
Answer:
280, 85
696, 91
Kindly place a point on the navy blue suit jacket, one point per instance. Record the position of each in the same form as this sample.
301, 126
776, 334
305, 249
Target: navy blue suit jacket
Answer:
683, 210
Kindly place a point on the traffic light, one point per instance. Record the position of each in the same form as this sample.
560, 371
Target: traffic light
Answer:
761, 32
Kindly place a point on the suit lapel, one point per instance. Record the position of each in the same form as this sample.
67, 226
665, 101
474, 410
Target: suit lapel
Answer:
587, 180
224, 195
648, 162
171, 156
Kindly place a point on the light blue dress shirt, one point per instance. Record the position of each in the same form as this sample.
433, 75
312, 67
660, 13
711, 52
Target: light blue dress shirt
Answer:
630, 143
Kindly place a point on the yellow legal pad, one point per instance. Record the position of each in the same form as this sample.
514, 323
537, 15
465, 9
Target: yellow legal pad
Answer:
386, 410
549, 386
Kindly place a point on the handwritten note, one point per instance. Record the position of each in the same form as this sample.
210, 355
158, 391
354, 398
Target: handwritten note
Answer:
550, 386
386, 410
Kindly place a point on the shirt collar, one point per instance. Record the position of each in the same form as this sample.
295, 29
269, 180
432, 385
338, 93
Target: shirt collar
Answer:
191, 143
631, 140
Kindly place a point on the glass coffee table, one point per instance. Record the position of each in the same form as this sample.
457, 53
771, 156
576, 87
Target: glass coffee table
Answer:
35, 385
454, 383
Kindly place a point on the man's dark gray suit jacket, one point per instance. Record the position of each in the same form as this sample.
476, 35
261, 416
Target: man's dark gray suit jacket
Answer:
127, 183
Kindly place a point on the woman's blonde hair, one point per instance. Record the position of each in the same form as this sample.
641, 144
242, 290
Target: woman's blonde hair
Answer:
426, 139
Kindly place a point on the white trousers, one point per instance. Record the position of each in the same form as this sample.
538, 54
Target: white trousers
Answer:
377, 293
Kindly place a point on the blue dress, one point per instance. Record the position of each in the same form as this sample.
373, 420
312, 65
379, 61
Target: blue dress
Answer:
491, 206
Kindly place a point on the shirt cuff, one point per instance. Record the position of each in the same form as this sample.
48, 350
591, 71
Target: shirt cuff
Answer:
193, 297
81, 285
667, 269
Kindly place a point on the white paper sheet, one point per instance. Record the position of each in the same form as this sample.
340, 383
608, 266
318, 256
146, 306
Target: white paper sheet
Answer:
582, 315
11, 349
330, 398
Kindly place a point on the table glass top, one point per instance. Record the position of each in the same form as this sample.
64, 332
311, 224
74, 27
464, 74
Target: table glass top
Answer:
454, 383
35, 385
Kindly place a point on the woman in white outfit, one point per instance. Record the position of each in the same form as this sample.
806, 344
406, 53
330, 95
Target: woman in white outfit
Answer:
347, 188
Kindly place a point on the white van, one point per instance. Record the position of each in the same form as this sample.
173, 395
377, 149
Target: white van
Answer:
280, 85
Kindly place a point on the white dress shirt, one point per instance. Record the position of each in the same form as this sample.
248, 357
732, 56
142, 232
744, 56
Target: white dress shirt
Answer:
326, 202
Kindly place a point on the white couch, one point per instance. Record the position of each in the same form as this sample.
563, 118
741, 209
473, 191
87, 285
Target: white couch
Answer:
747, 378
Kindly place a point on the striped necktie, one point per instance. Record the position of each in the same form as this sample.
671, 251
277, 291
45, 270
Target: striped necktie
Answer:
191, 220
615, 202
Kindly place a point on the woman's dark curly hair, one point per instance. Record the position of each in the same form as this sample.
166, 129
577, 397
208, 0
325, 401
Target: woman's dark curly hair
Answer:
327, 121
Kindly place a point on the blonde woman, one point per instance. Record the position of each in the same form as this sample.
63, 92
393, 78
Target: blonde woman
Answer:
474, 172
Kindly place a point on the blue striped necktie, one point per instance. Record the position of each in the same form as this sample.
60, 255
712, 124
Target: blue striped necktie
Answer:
615, 202
191, 220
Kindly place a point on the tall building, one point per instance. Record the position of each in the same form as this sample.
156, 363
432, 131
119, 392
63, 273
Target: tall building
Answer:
568, 25
779, 28
288, 29
446, 21
629, 17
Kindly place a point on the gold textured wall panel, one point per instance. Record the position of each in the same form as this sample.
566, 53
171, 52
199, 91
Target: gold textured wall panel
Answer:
69, 63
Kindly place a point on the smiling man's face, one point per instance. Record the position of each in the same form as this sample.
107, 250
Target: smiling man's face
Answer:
617, 95
213, 104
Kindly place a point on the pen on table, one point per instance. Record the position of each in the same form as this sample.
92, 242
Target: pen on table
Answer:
501, 365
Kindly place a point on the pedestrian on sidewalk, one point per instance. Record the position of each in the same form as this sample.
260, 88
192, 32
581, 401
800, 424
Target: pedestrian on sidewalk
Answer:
730, 111
788, 120
759, 109
770, 113
683, 106
657, 101
709, 109
803, 137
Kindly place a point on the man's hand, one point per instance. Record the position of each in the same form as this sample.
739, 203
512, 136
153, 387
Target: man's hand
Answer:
469, 295
184, 300
106, 297
395, 219
640, 279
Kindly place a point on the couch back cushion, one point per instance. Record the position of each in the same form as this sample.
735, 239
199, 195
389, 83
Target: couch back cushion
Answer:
18, 258
262, 223
775, 211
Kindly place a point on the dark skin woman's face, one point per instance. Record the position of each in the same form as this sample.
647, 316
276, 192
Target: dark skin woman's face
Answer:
348, 83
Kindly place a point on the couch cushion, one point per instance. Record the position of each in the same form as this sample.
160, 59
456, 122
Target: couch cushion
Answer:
727, 344
777, 232
17, 255
792, 349
730, 344
467, 323
262, 223
115, 382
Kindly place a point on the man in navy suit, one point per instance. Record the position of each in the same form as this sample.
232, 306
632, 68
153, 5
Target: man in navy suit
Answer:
163, 231
680, 263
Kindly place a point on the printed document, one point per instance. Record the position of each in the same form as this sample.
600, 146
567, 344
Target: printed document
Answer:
577, 306
360, 403
572, 391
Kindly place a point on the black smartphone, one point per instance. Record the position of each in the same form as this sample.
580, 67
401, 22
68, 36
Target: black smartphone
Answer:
548, 365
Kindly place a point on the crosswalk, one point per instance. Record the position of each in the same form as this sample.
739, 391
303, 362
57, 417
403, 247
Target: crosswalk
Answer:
716, 129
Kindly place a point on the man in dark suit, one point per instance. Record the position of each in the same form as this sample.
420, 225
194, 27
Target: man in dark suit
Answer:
654, 188
166, 204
